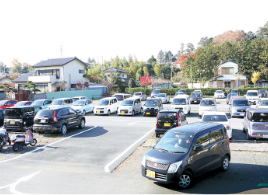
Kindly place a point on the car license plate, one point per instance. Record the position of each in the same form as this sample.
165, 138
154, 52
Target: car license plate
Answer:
242, 114
122, 112
265, 136
12, 122
150, 173
98, 111
167, 124
147, 112
43, 120
195, 101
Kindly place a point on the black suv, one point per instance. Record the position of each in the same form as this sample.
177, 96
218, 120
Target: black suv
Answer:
186, 152
58, 119
167, 119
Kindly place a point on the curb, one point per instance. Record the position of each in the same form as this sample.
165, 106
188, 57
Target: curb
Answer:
238, 150
248, 141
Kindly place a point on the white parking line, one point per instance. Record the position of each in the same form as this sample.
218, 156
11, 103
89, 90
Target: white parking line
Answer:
50, 144
106, 168
139, 121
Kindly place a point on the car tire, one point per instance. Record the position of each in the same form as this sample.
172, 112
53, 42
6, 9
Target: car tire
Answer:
185, 180
82, 124
108, 112
248, 137
63, 129
34, 142
133, 112
141, 110
1, 145
244, 129
225, 163
84, 112
16, 147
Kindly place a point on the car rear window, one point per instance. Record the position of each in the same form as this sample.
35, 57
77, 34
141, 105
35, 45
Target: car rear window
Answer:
119, 97
260, 117
211, 118
137, 93
179, 101
47, 113
14, 113
167, 115
57, 102
219, 91
252, 94
207, 103
196, 95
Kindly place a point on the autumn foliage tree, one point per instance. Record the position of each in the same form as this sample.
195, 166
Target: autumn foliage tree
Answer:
230, 36
182, 59
146, 80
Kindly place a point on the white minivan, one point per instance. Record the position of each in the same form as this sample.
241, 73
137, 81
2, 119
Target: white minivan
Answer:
182, 102
130, 106
252, 96
106, 106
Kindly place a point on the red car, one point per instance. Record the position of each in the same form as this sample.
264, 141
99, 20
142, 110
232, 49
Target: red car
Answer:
7, 103
23, 103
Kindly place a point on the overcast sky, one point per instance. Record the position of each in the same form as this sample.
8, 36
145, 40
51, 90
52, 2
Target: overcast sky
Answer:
32, 31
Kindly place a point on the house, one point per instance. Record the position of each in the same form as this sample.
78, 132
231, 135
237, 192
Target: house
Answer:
228, 76
50, 74
261, 83
122, 74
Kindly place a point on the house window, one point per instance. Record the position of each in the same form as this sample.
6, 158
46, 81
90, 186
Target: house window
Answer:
57, 73
122, 75
49, 72
227, 84
73, 85
229, 70
81, 71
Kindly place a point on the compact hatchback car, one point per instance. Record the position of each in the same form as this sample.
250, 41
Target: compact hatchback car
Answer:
106, 106
164, 97
183, 91
152, 107
263, 103
121, 96
207, 104
182, 102
263, 93
58, 120
238, 107
252, 96
168, 119
84, 106
43, 103
196, 98
219, 94
130, 106
186, 152
229, 97
23, 103
142, 95
256, 123
7, 103
79, 98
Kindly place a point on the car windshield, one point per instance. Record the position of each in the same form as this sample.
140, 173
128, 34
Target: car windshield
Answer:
196, 95
137, 93
75, 99
37, 103
79, 103
234, 91
181, 90
207, 103
252, 94
151, 103
167, 115
260, 117
174, 142
219, 91
19, 104
211, 118
45, 113
179, 93
103, 102
262, 91
14, 113
57, 102
179, 101
156, 91
119, 97
127, 103
161, 95
2, 102
264, 103
240, 103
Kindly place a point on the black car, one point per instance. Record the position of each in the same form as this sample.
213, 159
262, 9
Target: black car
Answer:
229, 96
18, 117
196, 97
155, 93
186, 152
167, 119
262, 93
58, 119
183, 91
2, 116
152, 106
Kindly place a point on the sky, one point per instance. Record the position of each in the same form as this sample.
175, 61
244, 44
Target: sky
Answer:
32, 31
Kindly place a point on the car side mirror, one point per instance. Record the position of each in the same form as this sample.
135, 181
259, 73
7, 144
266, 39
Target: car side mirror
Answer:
198, 148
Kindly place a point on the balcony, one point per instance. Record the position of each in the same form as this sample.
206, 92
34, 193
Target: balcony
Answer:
43, 79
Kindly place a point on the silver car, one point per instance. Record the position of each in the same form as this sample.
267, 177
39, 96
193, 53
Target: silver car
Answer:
84, 106
238, 107
256, 123
141, 95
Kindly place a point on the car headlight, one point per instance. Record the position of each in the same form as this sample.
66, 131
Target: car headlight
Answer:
143, 161
173, 168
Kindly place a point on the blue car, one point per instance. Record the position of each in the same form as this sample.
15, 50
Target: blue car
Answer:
83, 106
43, 103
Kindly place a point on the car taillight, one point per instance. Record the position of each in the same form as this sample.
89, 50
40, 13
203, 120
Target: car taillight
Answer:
20, 120
228, 127
55, 117
141, 95
179, 122
156, 120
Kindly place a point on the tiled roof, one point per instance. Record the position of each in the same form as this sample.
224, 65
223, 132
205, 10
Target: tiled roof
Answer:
216, 77
229, 60
113, 69
57, 62
24, 77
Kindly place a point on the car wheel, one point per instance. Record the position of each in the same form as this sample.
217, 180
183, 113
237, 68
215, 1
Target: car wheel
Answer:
185, 180
225, 163
84, 112
244, 129
141, 110
248, 137
133, 112
108, 112
1, 144
63, 129
82, 124
16, 147
34, 142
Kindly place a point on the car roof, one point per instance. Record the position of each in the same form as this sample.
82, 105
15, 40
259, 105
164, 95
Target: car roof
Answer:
239, 99
181, 96
171, 110
152, 99
194, 128
258, 110
252, 91
63, 98
57, 108
214, 113
121, 94
108, 98
208, 99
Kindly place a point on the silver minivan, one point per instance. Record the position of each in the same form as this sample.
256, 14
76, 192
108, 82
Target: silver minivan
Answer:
256, 123
130, 106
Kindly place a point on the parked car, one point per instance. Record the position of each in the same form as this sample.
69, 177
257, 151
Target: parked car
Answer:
182, 102
229, 97
152, 106
196, 97
142, 95
121, 96
18, 117
7, 103
179, 93
238, 107
164, 97
262, 103
79, 98
186, 152
232, 97
198, 91
58, 119
2, 116
168, 119
61, 102
263, 93
218, 117
155, 93
252, 96
219, 94
106, 106
207, 104
84, 106
256, 122
235, 91
130, 106
183, 91
23, 103
43, 103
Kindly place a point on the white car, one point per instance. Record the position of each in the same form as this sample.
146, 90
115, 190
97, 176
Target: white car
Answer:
164, 97
262, 103
207, 104
142, 95
218, 117
182, 102
219, 94
84, 106
61, 102
252, 96
130, 106
106, 106
79, 98
121, 96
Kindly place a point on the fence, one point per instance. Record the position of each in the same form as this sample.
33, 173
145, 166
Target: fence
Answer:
91, 94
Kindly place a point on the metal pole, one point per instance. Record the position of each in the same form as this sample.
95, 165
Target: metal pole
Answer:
200, 80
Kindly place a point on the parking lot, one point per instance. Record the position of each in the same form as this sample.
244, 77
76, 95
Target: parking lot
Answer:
81, 161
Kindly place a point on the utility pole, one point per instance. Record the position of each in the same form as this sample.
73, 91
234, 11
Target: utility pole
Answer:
170, 68
102, 62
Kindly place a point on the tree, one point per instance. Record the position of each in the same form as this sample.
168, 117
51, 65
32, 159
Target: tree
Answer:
263, 31
146, 80
157, 69
190, 48
255, 77
168, 56
151, 60
182, 49
182, 59
145, 70
32, 86
6, 87
14, 76
138, 76
205, 41
230, 36
160, 56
